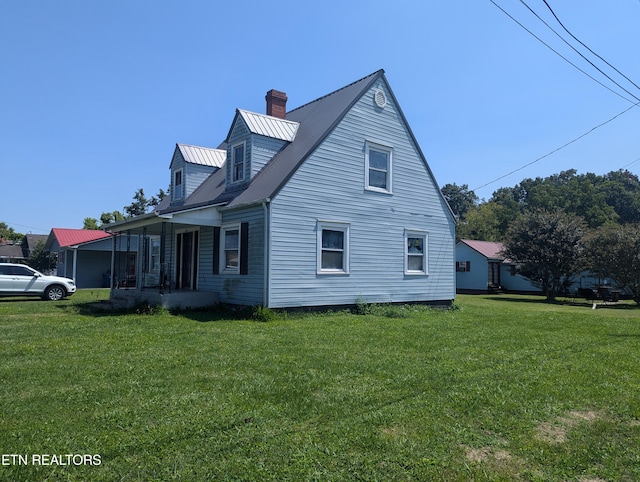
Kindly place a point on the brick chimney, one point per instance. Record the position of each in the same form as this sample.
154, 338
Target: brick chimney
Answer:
276, 104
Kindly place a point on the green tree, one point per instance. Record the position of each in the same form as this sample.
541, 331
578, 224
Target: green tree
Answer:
141, 204
487, 222
460, 198
548, 247
614, 252
108, 218
621, 190
9, 233
90, 223
40, 259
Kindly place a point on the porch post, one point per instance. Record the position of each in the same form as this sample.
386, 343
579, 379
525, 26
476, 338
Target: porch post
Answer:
113, 261
127, 258
145, 261
162, 246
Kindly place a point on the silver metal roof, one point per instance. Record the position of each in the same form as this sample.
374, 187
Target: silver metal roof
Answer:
203, 156
270, 126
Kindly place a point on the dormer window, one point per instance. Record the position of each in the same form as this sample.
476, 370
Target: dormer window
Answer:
238, 162
177, 184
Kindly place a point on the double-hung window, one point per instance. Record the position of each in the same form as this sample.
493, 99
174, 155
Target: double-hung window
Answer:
177, 185
237, 165
333, 248
231, 249
415, 252
154, 255
378, 163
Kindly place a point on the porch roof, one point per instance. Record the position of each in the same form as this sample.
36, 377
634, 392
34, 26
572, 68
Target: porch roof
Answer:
151, 223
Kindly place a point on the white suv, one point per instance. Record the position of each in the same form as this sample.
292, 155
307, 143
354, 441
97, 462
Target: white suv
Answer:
21, 280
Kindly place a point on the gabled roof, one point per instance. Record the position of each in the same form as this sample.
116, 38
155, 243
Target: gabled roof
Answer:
203, 156
72, 237
32, 240
316, 120
11, 252
488, 249
266, 125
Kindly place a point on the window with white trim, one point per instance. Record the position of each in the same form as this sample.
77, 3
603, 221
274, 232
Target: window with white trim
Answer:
415, 252
378, 163
237, 166
333, 248
177, 184
154, 255
230, 249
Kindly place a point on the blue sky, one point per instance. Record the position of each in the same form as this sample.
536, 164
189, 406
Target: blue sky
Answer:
95, 95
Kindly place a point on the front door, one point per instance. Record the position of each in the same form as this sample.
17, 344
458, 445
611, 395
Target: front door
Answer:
187, 260
494, 274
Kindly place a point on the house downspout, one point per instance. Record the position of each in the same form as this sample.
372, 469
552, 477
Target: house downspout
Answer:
267, 224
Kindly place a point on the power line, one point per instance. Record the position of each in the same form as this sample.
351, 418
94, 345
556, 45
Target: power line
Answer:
558, 53
559, 148
587, 47
577, 51
632, 162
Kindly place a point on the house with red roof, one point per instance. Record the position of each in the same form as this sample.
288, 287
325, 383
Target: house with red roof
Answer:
85, 256
482, 268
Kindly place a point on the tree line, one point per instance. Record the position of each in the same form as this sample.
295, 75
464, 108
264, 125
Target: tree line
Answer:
140, 205
560, 226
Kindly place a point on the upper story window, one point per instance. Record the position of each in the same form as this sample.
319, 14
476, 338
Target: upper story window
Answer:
177, 184
415, 245
333, 248
378, 162
237, 165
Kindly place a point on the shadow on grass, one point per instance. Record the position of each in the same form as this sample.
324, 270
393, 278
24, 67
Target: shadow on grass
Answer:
106, 308
599, 304
9, 299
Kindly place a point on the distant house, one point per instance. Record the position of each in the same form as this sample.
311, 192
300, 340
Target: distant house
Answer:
85, 256
481, 267
31, 242
327, 204
11, 252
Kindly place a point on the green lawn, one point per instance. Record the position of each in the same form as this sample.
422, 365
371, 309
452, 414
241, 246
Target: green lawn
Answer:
500, 388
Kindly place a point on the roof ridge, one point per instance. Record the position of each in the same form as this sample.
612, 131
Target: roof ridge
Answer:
277, 119
380, 71
199, 147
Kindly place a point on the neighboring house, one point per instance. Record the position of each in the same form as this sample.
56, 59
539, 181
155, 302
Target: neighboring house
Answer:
330, 203
481, 268
11, 253
87, 256
31, 242
18, 253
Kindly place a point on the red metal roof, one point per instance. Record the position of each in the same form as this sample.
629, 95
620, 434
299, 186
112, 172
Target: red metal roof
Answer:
71, 237
488, 249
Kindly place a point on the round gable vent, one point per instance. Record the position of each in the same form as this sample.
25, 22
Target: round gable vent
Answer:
379, 98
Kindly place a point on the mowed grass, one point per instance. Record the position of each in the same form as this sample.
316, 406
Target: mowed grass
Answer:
500, 388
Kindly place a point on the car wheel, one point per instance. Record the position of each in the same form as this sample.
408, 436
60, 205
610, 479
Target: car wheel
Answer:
54, 293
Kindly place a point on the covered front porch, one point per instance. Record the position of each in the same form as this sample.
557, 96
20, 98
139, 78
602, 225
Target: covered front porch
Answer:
156, 260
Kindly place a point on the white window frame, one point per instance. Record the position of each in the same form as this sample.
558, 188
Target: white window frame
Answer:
223, 248
234, 163
153, 267
375, 146
424, 235
176, 194
345, 228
